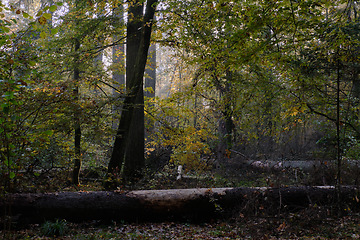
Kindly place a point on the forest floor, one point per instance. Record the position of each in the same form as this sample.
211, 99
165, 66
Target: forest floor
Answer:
312, 223
291, 227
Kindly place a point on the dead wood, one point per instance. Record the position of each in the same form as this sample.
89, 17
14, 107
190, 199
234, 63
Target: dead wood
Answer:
173, 204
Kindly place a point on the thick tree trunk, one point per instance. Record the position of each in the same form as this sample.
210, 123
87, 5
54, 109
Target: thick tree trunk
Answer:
134, 150
134, 155
176, 204
133, 104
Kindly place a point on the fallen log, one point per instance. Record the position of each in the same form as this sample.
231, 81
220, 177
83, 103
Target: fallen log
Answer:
172, 204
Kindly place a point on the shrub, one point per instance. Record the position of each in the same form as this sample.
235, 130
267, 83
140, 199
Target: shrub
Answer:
57, 228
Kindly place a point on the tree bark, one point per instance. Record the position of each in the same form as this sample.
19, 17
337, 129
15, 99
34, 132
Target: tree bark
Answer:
118, 73
130, 134
135, 145
175, 204
226, 124
134, 150
150, 79
77, 126
150, 83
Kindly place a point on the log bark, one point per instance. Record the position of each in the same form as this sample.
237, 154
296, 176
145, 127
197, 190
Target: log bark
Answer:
174, 204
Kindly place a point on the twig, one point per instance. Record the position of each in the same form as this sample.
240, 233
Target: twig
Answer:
239, 153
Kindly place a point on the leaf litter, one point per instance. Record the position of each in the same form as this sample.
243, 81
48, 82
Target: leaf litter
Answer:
245, 228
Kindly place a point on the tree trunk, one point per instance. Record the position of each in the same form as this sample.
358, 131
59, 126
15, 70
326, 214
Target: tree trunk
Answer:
130, 134
118, 72
226, 124
134, 150
150, 82
175, 204
77, 126
135, 146
150, 79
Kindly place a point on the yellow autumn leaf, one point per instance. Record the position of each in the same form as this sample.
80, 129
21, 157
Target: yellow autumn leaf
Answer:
42, 20
43, 35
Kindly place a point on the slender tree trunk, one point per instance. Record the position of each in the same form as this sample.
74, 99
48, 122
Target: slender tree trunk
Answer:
150, 82
195, 109
356, 88
227, 124
118, 73
150, 79
338, 140
268, 113
356, 96
77, 126
98, 68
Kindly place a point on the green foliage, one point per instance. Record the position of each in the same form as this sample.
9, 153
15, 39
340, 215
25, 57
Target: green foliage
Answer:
37, 106
274, 65
251, 74
189, 147
15, 76
352, 149
54, 229
176, 130
240, 52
